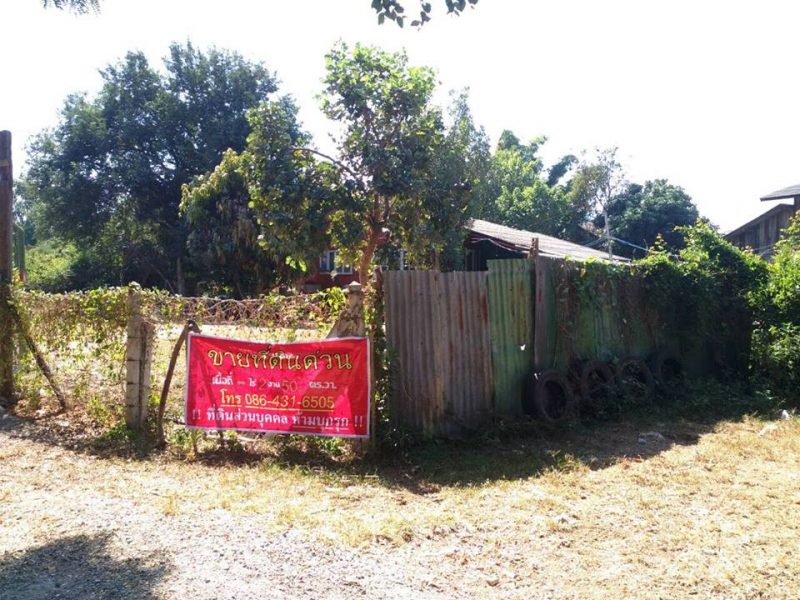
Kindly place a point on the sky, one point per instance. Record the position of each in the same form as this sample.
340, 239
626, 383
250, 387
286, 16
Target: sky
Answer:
703, 93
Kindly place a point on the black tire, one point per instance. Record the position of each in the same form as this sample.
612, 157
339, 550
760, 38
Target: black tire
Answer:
596, 383
553, 396
634, 379
529, 395
667, 370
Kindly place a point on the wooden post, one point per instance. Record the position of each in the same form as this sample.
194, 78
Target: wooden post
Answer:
6, 271
138, 354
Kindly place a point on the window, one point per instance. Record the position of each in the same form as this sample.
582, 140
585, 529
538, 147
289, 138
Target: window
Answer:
329, 264
403, 262
326, 261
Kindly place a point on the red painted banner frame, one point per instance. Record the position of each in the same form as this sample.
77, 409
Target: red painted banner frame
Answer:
267, 384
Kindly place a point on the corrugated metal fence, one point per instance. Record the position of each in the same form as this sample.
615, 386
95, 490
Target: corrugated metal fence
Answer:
437, 330
609, 318
510, 286
462, 343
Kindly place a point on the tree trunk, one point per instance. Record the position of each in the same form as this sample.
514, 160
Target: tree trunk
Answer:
366, 259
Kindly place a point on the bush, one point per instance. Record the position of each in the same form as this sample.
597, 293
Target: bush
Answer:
777, 352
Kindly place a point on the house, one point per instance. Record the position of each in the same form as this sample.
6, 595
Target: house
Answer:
761, 234
329, 273
486, 241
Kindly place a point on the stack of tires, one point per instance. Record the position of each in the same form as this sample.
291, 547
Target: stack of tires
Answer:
556, 396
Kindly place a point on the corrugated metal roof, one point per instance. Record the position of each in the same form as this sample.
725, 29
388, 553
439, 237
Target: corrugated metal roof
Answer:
787, 192
519, 240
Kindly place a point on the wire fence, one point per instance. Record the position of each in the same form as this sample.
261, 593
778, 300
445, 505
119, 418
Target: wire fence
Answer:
81, 336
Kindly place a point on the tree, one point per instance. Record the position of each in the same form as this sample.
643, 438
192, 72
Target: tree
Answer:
395, 11
397, 172
275, 183
224, 234
78, 6
391, 132
454, 190
111, 171
596, 184
524, 195
640, 214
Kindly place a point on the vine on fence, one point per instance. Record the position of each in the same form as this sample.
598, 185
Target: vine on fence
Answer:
83, 338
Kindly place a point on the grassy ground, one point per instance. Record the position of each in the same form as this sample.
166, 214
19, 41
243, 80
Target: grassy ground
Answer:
656, 505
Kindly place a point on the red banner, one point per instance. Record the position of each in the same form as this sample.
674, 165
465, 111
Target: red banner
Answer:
313, 388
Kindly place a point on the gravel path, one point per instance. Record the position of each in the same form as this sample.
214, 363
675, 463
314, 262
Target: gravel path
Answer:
710, 517
59, 538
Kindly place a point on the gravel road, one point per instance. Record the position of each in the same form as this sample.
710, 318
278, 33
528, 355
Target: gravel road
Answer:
62, 536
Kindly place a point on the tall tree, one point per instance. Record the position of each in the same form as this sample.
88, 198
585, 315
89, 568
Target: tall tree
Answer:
111, 171
595, 184
524, 195
277, 184
454, 190
381, 184
389, 137
640, 214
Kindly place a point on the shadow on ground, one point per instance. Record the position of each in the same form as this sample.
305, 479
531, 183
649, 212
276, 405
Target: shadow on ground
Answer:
79, 567
502, 451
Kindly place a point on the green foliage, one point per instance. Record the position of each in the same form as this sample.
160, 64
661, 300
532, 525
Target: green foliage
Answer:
777, 304
705, 294
779, 299
280, 194
454, 190
224, 233
108, 177
520, 194
51, 264
640, 214
394, 10
390, 133
776, 349
398, 172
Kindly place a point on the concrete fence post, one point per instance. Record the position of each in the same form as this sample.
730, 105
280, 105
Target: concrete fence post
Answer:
138, 356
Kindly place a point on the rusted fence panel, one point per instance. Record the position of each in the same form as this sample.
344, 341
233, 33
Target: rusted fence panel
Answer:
437, 329
511, 311
579, 317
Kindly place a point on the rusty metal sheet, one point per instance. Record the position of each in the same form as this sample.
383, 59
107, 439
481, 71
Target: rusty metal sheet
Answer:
437, 333
601, 317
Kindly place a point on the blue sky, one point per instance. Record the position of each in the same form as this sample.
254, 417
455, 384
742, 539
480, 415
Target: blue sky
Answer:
705, 93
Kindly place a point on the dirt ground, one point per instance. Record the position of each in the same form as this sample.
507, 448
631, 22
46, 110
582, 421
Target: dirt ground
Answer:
677, 510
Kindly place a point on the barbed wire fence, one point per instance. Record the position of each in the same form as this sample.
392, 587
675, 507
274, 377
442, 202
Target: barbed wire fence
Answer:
106, 347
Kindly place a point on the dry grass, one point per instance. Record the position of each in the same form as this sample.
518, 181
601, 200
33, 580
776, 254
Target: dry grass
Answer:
709, 511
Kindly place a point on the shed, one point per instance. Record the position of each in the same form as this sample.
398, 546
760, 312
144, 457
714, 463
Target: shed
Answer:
489, 241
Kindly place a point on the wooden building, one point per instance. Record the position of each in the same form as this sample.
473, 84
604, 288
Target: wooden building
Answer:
761, 234
488, 241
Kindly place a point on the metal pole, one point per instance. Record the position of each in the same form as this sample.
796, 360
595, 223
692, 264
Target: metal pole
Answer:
6, 270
